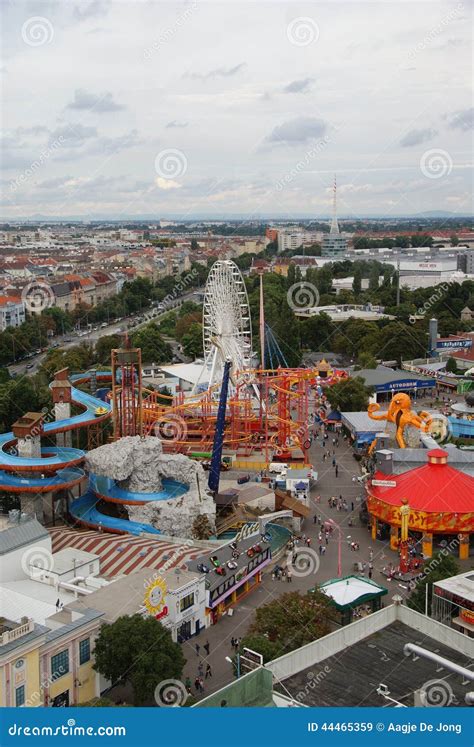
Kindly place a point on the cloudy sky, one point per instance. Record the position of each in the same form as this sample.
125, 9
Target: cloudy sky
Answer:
148, 107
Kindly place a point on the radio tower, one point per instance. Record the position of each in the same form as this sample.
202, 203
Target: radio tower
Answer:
334, 223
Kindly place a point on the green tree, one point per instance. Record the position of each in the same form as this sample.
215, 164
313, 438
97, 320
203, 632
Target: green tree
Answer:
366, 360
441, 565
293, 619
357, 282
154, 348
192, 341
349, 395
451, 365
268, 649
374, 277
140, 651
105, 345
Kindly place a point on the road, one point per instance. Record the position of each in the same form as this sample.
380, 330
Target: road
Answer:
69, 340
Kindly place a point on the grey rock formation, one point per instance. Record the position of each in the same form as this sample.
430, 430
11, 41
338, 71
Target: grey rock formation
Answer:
138, 464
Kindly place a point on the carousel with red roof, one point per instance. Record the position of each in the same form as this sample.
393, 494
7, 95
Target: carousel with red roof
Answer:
434, 501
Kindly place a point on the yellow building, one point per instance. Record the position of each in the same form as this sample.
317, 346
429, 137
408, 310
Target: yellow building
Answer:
49, 665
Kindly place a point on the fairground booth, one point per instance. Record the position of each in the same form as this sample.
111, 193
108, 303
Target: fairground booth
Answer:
353, 597
453, 602
440, 501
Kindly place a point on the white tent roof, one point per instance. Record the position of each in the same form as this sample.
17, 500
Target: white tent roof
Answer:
348, 590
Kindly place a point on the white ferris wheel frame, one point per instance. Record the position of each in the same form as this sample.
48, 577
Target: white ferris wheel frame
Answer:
227, 326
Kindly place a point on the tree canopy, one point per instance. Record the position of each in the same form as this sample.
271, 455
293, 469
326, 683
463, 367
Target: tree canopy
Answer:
140, 651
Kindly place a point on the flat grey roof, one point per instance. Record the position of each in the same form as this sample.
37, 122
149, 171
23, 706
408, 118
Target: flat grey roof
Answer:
384, 375
351, 677
21, 534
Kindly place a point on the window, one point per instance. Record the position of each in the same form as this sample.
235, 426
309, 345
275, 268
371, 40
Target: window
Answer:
186, 602
60, 664
84, 650
20, 696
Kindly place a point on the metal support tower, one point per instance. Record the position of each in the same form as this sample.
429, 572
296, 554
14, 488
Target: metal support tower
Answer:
214, 473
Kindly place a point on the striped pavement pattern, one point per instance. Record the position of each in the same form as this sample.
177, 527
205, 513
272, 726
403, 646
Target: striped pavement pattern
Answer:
123, 554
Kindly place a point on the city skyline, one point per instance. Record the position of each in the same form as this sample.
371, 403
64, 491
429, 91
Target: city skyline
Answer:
185, 109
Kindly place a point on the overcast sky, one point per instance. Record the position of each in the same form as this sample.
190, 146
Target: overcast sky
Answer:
149, 107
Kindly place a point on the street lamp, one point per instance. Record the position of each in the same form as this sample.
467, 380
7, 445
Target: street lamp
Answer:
339, 546
237, 662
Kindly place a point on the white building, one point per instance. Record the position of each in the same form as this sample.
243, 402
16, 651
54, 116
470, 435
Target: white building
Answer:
12, 313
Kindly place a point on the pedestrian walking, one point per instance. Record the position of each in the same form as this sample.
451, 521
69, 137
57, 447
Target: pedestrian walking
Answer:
371, 554
196, 684
188, 685
352, 505
289, 576
198, 648
320, 549
370, 572
206, 648
315, 519
232, 641
308, 541
333, 462
208, 671
337, 470
200, 669
324, 550
201, 684
327, 538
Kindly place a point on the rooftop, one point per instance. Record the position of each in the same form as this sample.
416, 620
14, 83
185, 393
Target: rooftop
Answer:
461, 585
15, 536
351, 590
351, 676
433, 487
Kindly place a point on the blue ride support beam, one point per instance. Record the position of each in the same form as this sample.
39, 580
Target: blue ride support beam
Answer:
215, 471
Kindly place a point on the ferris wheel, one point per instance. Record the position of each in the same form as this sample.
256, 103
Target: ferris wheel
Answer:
227, 329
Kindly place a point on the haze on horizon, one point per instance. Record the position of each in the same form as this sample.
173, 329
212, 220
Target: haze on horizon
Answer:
184, 108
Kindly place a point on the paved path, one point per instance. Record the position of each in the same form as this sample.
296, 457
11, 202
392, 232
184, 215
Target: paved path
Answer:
219, 635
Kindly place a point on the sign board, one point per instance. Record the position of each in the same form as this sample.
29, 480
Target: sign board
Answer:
384, 483
454, 344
